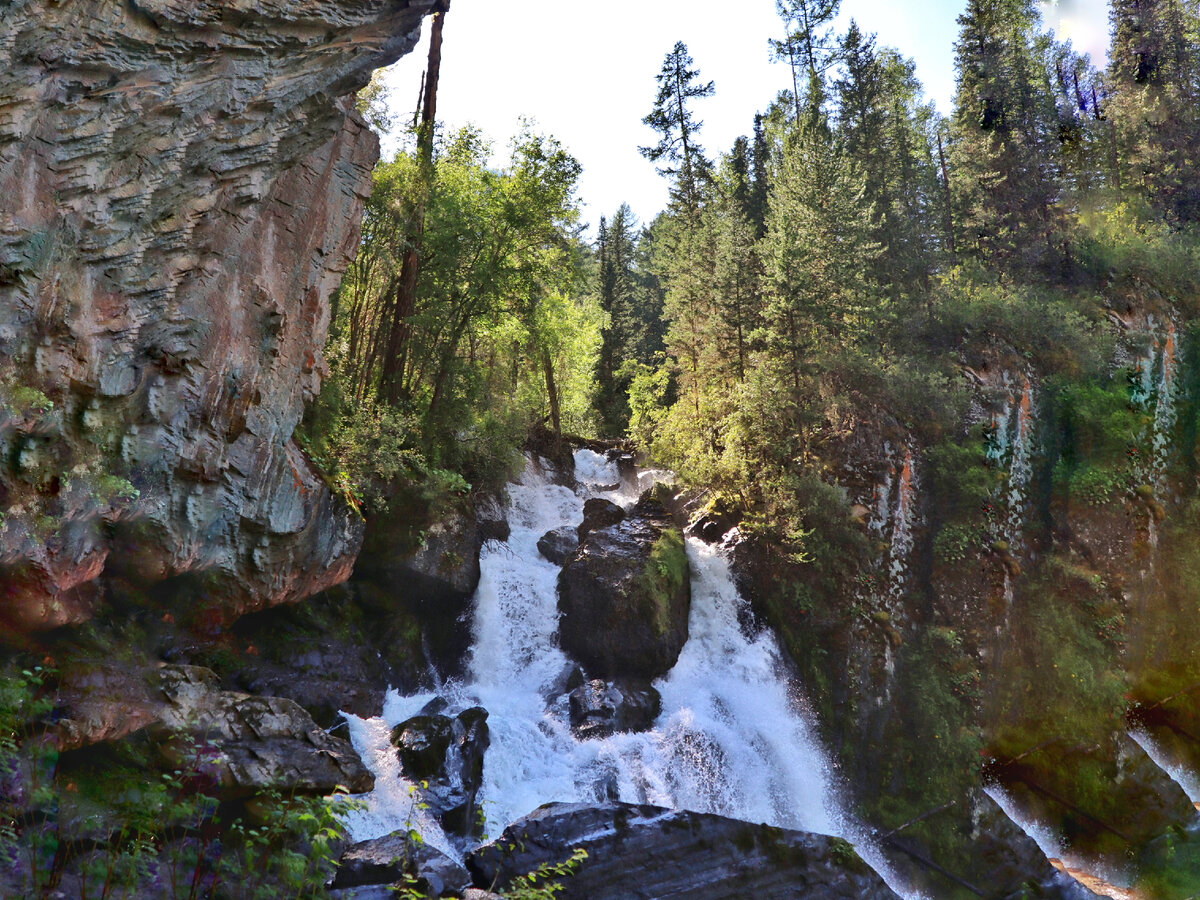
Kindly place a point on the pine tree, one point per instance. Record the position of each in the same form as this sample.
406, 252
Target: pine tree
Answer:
817, 253
678, 148
886, 132
810, 49
1154, 67
1004, 139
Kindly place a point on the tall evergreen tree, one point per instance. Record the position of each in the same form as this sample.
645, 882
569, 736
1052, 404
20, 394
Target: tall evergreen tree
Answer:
1004, 139
1154, 75
810, 49
886, 132
678, 149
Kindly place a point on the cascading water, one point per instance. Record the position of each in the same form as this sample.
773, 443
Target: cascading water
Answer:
1011, 446
731, 738
902, 530
1101, 881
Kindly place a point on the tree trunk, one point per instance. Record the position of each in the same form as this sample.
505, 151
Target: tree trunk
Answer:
394, 360
552, 392
946, 189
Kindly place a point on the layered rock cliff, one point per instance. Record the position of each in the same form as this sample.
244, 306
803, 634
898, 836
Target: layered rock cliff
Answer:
181, 184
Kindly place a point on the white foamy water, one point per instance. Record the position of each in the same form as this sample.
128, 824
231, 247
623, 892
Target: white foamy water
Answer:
732, 738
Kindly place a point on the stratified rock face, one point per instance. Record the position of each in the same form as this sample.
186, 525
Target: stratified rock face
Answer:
181, 184
253, 743
644, 851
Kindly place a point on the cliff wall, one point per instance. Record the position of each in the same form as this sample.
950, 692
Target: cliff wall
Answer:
181, 184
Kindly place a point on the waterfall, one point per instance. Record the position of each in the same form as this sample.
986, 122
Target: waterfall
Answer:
891, 518
1099, 879
1010, 447
902, 530
1188, 781
732, 739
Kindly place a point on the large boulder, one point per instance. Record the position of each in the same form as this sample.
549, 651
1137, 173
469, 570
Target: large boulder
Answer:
645, 851
601, 708
251, 744
599, 513
445, 755
559, 545
624, 597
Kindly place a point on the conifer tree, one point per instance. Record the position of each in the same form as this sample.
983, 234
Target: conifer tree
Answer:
1154, 75
1004, 153
678, 149
886, 132
817, 254
810, 49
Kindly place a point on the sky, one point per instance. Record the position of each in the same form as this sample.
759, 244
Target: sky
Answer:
585, 72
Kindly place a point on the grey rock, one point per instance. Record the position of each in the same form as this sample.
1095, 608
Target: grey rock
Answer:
600, 708
559, 544
648, 852
388, 859
173, 226
248, 744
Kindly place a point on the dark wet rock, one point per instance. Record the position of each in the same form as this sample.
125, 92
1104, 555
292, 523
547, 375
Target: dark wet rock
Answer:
250, 743
493, 523
599, 513
1004, 861
421, 743
435, 581
710, 529
624, 596
600, 708
645, 851
387, 860
559, 545
446, 755
337, 652
434, 707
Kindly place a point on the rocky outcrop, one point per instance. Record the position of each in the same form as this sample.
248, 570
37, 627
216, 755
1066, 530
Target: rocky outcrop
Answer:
337, 652
445, 755
387, 860
183, 182
644, 851
624, 596
433, 573
250, 744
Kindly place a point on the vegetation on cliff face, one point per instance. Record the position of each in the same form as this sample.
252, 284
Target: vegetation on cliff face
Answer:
862, 273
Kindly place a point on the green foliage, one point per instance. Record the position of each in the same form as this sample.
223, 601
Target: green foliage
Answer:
544, 881
114, 824
501, 335
665, 575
